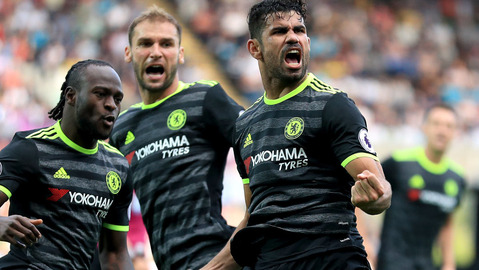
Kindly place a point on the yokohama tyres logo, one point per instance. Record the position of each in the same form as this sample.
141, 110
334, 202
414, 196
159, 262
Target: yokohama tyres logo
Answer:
57, 194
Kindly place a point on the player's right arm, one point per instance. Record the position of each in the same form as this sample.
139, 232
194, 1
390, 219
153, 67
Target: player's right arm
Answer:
224, 260
16, 168
18, 230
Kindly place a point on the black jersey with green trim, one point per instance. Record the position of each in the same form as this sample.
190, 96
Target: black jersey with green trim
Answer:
292, 151
425, 194
177, 148
74, 190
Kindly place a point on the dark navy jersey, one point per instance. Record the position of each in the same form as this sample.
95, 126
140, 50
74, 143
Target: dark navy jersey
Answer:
292, 152
74, 190
177, 149
425, 194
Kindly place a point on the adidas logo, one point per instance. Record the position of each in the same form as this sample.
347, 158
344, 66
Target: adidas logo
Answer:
129, 138
248, 140
61, 173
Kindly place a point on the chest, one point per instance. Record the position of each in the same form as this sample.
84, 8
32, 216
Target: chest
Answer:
163, 133
418, 186
72, 182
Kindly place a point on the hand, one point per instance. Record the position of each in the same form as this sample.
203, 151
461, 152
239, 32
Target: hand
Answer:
367, 189
19, 231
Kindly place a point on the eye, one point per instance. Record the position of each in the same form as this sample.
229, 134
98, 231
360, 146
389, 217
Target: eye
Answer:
100, 94
144, 43
167, 44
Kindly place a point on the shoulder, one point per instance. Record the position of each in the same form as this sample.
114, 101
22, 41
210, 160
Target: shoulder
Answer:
404, 155
319, 86
109, 148
132, 109
456, 168
249, 112
202, 85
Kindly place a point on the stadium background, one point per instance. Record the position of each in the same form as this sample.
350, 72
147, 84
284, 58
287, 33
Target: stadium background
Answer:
394, 58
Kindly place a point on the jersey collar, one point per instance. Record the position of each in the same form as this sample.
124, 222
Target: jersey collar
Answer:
291, 94
70, 143
181, 86
434, 168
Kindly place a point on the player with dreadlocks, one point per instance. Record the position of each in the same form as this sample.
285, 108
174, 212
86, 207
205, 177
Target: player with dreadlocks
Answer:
68, 190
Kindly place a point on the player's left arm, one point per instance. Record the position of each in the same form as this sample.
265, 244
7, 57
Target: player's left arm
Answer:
371, 191
350, 143
446, 238
114, 250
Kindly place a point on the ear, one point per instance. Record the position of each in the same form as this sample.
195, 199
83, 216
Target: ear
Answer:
181, 56
254, 49
127, 54
70, 95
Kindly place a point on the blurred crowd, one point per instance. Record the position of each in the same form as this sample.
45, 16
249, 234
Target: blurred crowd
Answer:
392, 57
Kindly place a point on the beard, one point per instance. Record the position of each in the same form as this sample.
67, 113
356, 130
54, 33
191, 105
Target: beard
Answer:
170, 77
287, 76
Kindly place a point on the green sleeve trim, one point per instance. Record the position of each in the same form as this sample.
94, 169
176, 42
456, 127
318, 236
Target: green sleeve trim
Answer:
246, 181
358, 155
118, 228
6, 191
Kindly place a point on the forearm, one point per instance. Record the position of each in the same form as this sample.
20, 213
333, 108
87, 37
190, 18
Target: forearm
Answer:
116, 260
446, 239
224, 260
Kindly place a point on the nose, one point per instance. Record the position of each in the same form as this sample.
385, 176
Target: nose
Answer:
292, 37
155, 51
110, 103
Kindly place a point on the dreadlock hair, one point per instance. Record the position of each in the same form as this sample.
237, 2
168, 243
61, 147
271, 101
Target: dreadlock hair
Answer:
73, 79
260, 12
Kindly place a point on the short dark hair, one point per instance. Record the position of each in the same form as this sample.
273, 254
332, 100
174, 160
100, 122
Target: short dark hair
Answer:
439, 105
261, 11
73, 79
153, 13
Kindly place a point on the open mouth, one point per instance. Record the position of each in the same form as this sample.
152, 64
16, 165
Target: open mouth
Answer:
155, 70
293, 57
109, 119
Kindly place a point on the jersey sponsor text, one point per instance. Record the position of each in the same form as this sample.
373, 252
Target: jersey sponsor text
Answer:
289, 158
170, 147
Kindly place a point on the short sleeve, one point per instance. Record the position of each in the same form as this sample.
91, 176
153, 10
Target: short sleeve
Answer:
118, 215
18, 164
347, 130
241, 165
221, 112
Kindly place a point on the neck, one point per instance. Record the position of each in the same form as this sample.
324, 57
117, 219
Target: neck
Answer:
433, 155
277, 87
149, 97
72, 132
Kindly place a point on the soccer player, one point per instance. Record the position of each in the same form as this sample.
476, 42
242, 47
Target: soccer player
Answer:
427, 189
68, 190
305, 157
176, 140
